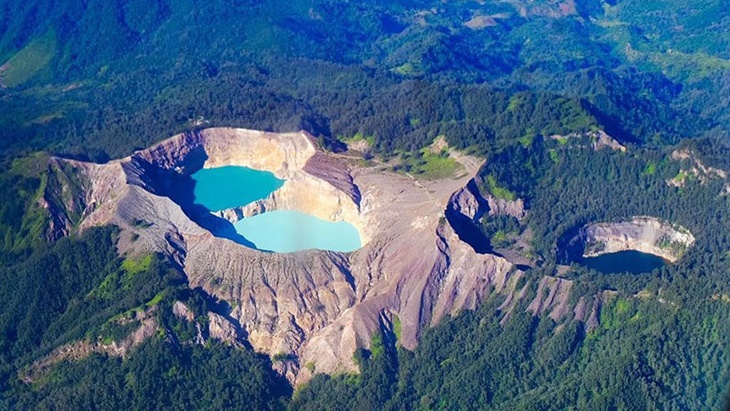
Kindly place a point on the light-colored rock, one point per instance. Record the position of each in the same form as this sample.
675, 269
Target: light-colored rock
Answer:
692, 167
220, 328
645, 234
599, 300
318, 306
514, 208
182, 311
599, 139
552, 298
470, 202
480, 22
360, 145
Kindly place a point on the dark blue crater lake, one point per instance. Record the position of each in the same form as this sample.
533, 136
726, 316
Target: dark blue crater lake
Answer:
280, 231
630, 261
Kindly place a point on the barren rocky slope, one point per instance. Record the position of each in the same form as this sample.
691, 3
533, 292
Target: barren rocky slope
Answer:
314, 306
645, 234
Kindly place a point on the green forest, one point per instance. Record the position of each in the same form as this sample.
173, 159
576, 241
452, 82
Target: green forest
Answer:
664, 351
403, 71
97, 80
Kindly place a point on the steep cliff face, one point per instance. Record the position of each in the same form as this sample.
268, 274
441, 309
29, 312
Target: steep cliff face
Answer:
645, 234
313, 307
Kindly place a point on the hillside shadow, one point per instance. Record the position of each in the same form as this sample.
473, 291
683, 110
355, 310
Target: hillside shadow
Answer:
467, 228
468, 231
181, 190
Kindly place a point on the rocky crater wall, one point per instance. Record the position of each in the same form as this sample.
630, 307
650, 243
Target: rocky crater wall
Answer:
317, 307
312, 185
645, 234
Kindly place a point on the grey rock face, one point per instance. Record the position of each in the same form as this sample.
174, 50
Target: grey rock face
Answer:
313, 308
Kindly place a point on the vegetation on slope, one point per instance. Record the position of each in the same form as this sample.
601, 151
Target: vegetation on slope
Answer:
647, 354
177, 62
78, 289
495, 78
160, 375
659, 342
75, 291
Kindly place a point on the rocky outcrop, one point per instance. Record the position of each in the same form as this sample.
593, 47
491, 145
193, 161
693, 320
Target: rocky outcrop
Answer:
220, 328
312, 307
182, 311
645, 234
552, 298
470, 202
553, 10
81, 349
65, 197
701, 170
598, 140
692, 168
514, 208
333, 171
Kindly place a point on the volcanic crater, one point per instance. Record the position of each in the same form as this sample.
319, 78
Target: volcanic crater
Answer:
313, 308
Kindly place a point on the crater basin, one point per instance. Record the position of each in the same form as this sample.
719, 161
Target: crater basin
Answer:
281, 231
638, 245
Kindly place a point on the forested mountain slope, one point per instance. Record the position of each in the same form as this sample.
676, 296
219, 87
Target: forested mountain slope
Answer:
585, 111
83, 74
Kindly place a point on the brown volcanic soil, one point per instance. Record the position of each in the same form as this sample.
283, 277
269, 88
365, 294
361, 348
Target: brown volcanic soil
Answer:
317, 305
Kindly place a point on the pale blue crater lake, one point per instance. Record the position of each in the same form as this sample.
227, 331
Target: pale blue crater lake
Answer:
284, 231
280, 231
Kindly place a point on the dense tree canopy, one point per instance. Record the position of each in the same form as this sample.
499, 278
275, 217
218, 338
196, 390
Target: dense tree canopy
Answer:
519, 83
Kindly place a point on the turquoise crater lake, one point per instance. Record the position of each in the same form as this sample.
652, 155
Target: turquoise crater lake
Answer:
226, 187
279, 231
